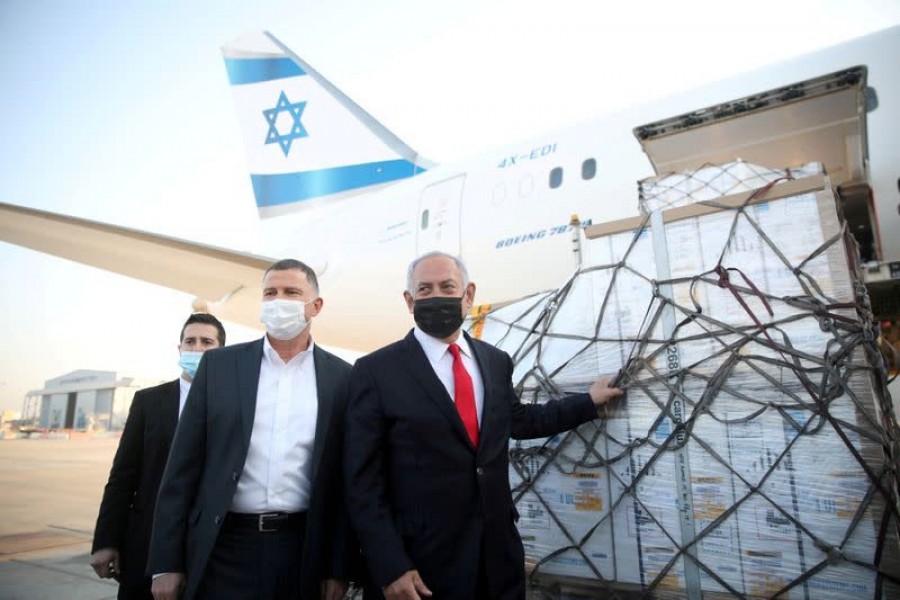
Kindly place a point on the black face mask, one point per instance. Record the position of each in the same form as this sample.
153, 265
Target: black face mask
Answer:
439, 316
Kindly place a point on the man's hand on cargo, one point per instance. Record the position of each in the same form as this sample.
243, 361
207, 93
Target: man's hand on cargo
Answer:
601, 392
105, 562
333, 589
408, 586
167, 586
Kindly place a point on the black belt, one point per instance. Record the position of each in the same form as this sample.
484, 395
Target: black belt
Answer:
266, 522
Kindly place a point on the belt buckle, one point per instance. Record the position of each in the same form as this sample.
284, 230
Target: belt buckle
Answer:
262, 522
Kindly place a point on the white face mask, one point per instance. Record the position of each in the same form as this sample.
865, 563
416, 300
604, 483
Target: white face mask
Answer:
284, 319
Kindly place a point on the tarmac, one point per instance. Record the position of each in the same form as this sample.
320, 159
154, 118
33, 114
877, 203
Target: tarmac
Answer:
50, 492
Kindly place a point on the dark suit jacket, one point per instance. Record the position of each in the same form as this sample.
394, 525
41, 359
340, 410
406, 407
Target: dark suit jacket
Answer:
208, 455
126, 512
420, 495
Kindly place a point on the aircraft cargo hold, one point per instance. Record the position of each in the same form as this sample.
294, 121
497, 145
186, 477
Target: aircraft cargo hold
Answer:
755, 454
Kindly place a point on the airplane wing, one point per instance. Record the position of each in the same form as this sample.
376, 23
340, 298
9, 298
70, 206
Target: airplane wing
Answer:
225, 282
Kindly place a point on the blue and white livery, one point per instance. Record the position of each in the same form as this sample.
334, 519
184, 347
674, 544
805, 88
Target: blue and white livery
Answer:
507, 212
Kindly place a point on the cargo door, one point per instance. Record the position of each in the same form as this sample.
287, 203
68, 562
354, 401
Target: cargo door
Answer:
818, 120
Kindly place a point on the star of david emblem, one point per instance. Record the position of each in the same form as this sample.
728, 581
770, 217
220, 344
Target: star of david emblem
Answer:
295, 110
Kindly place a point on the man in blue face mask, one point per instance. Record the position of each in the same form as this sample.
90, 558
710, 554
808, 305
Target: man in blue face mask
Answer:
122, 533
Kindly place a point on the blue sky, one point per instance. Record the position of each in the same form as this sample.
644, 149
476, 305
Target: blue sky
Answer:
121, 112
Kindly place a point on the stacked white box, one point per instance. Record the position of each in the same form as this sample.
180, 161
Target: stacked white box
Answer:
787, 488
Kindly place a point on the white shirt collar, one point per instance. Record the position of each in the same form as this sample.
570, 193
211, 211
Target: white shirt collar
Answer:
435, 348
271, 355
184, 386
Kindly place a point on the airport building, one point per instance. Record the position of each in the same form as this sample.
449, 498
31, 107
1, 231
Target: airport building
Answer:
82, 400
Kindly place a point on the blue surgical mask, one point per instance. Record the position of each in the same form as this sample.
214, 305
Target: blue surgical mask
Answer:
189, 361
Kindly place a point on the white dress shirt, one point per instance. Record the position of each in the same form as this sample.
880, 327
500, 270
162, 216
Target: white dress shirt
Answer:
442, 362
184, 388
277, 472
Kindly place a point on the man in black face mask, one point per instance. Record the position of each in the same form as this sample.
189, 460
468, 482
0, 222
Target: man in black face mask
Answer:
426, 462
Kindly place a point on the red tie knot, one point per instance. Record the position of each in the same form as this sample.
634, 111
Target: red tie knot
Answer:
454, 350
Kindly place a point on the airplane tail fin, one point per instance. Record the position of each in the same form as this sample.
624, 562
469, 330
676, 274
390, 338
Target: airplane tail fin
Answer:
307, 142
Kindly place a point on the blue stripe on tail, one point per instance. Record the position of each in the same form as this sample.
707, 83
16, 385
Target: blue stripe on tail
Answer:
242, 71
285, 188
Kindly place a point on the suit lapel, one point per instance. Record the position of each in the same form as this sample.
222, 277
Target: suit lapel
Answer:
324, 394
247, 368
417, 364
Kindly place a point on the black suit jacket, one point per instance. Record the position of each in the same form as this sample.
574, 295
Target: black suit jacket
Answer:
208, 455
420, 495
126, 511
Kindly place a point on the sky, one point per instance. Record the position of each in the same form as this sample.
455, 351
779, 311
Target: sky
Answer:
121, 112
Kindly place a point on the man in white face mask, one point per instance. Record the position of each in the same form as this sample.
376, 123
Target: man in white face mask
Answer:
122, 533
251, 503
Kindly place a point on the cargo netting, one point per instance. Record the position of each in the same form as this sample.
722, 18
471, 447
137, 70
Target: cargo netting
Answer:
755, 452
713, 181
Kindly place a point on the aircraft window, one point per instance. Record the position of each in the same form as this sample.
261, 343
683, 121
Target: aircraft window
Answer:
424, 223
499, 194
588, 169
556, 178
526, 186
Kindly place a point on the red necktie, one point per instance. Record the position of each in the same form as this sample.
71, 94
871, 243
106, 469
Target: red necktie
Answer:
465, 395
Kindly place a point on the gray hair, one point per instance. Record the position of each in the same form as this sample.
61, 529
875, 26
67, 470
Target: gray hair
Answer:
436, 254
